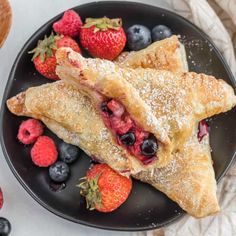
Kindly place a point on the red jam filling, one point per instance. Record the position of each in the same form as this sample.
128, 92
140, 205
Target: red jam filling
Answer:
203, 130
139, 143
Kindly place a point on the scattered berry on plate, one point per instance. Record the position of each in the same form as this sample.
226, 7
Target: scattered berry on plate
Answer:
5, 227
59, 171
29, 131
44, 152
1, 198
68, 152
69, 25
103, 37
138, 37
44, 54
104, 189
160, 32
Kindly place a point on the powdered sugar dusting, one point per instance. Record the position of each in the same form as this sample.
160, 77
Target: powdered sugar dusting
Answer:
180, 179
74, 118
168, 101
170, 98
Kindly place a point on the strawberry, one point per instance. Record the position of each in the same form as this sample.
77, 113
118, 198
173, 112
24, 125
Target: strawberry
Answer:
103, 37
69, 25
1, 198
44, 54
104, 189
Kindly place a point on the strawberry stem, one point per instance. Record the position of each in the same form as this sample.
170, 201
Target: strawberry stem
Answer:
103, 24
90, 190
45, 47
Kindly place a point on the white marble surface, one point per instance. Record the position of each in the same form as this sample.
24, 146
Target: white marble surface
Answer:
25, 214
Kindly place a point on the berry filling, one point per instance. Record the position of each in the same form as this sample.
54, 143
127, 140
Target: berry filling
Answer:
203, 130
128, 139
139, 143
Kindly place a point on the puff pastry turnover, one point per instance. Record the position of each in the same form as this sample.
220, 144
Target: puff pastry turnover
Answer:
63, 109
188, 179
163, 103
167, 54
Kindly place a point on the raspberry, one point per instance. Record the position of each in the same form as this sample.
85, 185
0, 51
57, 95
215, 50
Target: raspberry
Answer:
69, 24
1, 198
44, 152
29, 131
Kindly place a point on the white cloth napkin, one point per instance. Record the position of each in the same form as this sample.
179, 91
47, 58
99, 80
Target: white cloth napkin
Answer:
217, 19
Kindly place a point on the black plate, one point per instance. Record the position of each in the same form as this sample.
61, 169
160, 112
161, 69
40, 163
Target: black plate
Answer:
146, 208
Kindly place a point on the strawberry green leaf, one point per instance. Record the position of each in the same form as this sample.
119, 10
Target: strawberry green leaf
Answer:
103, 24
90, 190
46, 47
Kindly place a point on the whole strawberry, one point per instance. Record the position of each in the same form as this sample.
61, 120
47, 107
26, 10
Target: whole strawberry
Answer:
104, 189
69, 25
44, 54
103, 37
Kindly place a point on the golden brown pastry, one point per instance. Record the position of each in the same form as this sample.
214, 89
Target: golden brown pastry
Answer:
60, 105
172, 42
172, 179
139, 111
163, 103
167, 54
188, 179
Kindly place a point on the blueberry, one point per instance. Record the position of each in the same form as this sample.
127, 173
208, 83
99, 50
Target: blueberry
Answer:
68, 152
138, 37
149, 146
160, 32
128, 139
5, 227
59, 172
105, 108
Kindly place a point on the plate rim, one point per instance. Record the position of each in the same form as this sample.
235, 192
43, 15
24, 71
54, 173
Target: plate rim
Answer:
10, 81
